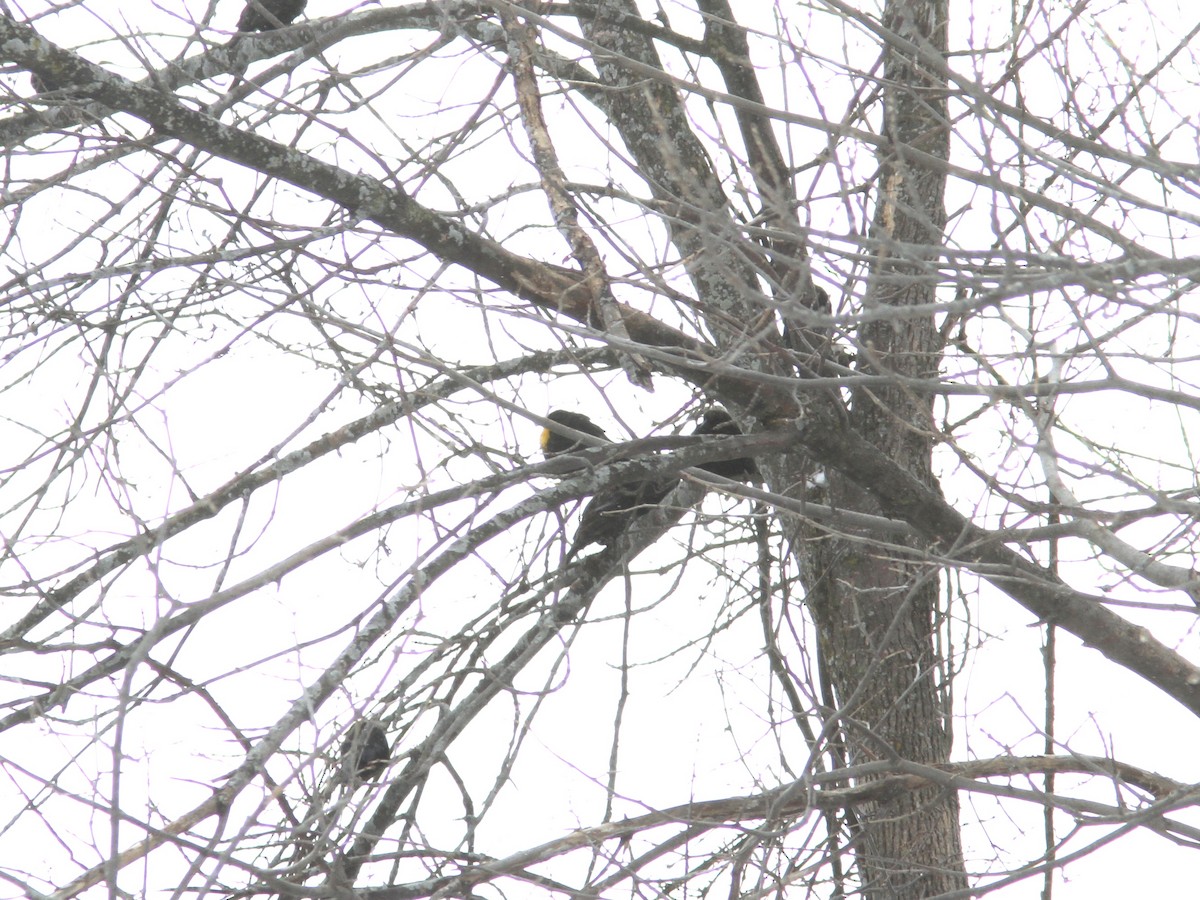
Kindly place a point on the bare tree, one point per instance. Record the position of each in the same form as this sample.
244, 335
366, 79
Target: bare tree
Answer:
294, 604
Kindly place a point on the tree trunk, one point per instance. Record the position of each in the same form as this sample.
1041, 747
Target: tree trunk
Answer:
876, 606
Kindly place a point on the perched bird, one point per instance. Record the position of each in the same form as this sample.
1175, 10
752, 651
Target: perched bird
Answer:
267, 15
365, 752
555, 444
608, 514
717, 421
616, 508
43, 84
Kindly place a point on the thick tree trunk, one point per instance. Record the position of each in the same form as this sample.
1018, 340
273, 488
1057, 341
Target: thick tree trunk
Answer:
875, 606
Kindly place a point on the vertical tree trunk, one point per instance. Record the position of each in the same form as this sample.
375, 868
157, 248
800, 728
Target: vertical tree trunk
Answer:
875, 606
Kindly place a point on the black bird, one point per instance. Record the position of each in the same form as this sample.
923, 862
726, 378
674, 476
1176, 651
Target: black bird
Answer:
554, 444
616, 508
267, 15
367, 746
43, 84
717, 421
608, 514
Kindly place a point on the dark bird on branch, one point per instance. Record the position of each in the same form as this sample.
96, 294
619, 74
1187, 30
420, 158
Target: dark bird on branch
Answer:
614, 508
717, 421
555, 444
365, 752
267, 15
43, 84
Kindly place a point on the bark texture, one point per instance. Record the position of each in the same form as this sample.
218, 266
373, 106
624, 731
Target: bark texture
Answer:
876, 607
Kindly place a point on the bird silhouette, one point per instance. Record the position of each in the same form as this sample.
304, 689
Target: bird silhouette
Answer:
716, 421
555, 444
614, 508
267, 15
365, 751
